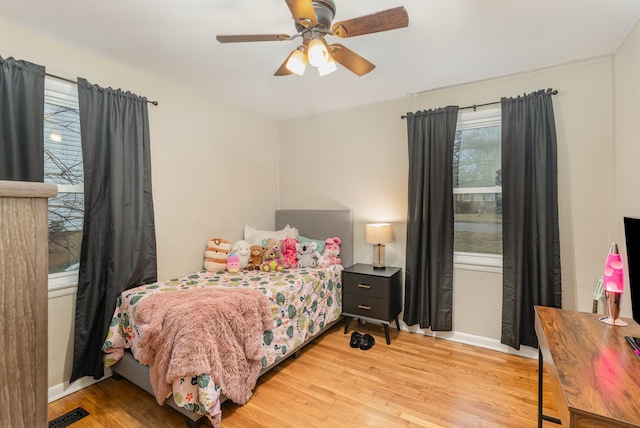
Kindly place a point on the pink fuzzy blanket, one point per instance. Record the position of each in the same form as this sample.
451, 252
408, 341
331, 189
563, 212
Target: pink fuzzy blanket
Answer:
211, 331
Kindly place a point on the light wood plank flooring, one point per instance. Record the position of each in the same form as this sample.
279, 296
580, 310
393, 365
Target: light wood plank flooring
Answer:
417, 381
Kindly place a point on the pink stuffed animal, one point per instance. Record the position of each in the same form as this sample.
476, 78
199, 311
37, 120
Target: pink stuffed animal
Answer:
332, 250
289, 252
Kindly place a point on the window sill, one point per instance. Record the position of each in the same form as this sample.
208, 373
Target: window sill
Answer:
478, 262
63, 284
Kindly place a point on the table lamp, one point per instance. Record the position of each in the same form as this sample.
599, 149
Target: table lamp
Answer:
378, 234
613, 286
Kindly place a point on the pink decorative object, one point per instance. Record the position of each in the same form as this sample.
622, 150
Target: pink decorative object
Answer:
613, 286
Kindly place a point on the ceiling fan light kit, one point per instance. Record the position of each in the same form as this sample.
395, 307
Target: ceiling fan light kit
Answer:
297, 61
313, 21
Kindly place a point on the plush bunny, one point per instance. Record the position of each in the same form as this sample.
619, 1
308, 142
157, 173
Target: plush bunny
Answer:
332, 249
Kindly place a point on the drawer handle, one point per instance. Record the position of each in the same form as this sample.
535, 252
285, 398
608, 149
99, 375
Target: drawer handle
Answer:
364, 307
364, 286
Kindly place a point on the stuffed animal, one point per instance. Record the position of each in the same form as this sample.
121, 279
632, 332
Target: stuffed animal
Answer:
274, 245
233, 263
289, 252
242, 249
332, 249
215, 256
271, 262
324, 260
306, 254
256, 257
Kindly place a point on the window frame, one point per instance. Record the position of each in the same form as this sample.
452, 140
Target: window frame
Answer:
478, 261
65, 94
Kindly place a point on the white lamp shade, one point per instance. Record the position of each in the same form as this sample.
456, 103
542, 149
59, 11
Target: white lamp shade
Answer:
297, 62
328, 68
318, 55
378, 233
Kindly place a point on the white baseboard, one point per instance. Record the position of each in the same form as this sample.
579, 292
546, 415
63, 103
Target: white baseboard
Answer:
63, 389
479, 341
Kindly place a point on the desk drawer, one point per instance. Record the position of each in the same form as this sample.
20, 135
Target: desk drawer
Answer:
366, 285
366, 306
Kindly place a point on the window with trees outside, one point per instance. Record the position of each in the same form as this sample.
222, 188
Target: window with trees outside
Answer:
477, 189
63, 166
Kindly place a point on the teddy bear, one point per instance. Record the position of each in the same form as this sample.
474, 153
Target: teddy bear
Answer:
271, 261
274, 245
332, 250
289, 252
233, 263
242, 249
215, 256
306, 254
256, 257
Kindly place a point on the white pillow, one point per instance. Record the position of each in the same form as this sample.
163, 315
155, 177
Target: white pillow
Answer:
255, 237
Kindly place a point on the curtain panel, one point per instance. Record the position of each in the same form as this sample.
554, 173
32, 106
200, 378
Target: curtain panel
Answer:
530, 231
21, 120
429, 260
118, 245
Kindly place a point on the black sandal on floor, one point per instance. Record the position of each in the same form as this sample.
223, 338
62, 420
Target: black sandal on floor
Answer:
366, 342
355, 339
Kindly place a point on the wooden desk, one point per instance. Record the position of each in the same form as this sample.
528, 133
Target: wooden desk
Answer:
594, 375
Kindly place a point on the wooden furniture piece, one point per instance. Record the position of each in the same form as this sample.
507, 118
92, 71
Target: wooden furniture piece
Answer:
594, 375
372, 294
23, 303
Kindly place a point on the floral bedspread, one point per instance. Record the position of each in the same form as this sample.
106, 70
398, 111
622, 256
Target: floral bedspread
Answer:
302, 300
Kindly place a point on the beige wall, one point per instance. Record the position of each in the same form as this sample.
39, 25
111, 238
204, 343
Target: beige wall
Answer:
358, 158
626, 162
207, 164
211, 172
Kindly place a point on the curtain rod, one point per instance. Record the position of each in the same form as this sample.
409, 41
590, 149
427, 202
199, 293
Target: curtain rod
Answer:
475, 106
155, 103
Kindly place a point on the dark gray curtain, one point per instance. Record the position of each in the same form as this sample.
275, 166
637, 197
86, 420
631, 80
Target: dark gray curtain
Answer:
118, 243
531, 243
21, 120
428, 296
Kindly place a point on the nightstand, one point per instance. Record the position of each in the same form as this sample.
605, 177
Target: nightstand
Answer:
372, 294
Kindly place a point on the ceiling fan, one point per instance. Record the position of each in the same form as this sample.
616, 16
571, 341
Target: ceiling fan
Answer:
313, 21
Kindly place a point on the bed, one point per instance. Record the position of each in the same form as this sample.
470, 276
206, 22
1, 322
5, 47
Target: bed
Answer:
304, 302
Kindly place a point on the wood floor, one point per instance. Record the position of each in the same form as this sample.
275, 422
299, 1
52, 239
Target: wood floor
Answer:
417, 381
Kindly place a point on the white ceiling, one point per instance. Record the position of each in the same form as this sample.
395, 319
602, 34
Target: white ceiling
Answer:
448, 42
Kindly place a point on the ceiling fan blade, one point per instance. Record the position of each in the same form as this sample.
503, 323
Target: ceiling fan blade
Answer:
350, 60
303, 12
283, 70
253, 38
381, 21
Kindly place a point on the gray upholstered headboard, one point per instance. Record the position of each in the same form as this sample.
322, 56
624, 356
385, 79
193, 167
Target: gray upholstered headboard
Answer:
322, 224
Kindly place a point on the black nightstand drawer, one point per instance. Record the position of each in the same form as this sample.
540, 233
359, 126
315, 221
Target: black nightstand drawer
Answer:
366, 285
365, 306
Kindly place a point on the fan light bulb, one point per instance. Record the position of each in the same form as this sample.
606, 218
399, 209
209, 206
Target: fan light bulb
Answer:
297, 62
327, 68
318, 55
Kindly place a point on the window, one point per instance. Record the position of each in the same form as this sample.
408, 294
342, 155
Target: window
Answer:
63, 166
477, 189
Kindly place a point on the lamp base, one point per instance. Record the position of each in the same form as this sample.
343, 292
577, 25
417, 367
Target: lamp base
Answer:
614, 321
378, 256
